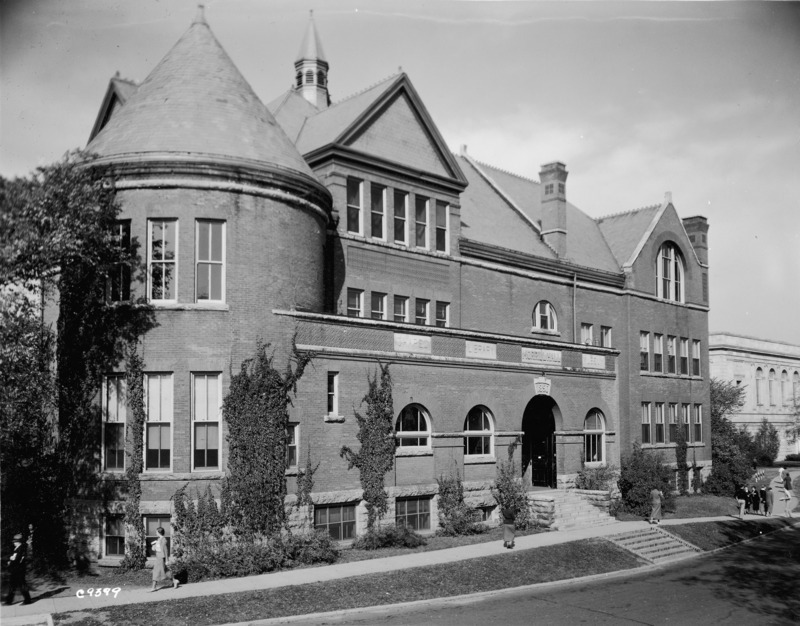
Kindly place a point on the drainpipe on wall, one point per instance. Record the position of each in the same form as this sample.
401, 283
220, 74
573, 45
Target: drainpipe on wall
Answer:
574, 310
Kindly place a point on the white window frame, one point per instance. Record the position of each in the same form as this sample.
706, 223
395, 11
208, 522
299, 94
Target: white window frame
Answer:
696, 371
587, 334
445, 320
440, 204
698, 423
166, 524
647, 421
674, 422
400, 194
213, 409
151, 263
350, 208
427, 306
686, 418
403, 301
106, 535
672, 354
659, 420
658, 352
771, 386
595, 433
420, 201
332, 394
684, 356
115, 411
120, 273
208, 262
784, 388
164, 413
670, 273
549, 314
482, 434
359, 294
381, 193
400, 435
759, 391
293, 428
644, 351
605, 336
379, 298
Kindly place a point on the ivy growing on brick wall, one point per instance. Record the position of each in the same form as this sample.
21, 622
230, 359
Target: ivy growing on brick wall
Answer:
681, 448
134, 528
256, 411
305, 480
375, 458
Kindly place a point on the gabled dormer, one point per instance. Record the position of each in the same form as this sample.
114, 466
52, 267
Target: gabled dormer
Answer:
117, 94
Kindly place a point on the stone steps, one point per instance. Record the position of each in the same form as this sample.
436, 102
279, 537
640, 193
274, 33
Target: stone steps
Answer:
655, 545
570, 511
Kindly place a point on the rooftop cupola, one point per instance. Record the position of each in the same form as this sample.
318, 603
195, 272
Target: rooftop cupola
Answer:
311, 68
553, 179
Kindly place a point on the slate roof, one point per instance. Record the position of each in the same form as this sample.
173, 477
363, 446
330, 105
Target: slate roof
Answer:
624, 231
311, 48
196, 102
486, 214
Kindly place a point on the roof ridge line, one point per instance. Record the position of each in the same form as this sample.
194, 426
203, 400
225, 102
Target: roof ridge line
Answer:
364, 90
643, 208
500, 169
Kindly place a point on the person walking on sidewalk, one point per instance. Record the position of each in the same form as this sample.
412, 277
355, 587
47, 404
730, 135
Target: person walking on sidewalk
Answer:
16, 570
787, 488
509, 520
655, 500
741, 499
770, 502
161, 552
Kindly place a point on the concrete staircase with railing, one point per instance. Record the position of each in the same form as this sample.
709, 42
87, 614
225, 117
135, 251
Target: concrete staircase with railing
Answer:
559, 509
655, 545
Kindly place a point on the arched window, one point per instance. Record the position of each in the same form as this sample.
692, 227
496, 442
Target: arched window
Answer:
478, 431
309, 77
544, 317
594, 427
669, 273
413, 428
772, 387
796, 388
759, 379
784, 387
321, 78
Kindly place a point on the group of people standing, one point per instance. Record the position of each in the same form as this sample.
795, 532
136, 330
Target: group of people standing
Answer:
761, 501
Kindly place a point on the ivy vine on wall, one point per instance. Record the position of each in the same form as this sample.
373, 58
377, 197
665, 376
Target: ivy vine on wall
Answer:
375, 458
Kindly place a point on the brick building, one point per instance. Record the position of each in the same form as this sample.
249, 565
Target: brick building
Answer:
504, 310
769, 371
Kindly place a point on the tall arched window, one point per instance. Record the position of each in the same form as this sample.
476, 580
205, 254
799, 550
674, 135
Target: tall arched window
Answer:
669, 273
772, 387
413, 429
478, 431
759, 380
784, 387
544, 316
594, 427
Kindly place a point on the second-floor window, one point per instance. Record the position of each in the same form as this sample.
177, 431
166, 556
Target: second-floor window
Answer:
671, 351
158, 392
421, 311
377, 211
605, 336
441, 226
644, 351
587, 334
658, 352
206, 413
162, 260
118, 287
400, 217
333, 393
114, 417
355, 303
544, 316
421, 222
684, 355
400, 309
442, 314
378, 306
354, 204
673, 422
695, 358
210, 264
659, 422
646, 422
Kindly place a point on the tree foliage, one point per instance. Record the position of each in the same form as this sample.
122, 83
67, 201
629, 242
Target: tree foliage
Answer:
135, 549
766, 443
509, 492
641, 472
57, 249
375, 458
256, 411
456, 517
681, 448
731, 448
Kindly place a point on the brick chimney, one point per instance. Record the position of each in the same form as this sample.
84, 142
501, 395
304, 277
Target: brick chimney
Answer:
697, 229
553, 179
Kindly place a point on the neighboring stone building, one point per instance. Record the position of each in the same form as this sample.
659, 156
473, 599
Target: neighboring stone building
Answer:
504, 310
769, 371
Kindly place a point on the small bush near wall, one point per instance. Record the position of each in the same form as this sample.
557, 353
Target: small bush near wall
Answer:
641, 472
597, 478
509, 493
389, 537
793, 457
455, 516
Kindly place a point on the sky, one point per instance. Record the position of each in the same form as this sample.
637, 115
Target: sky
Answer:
636, 98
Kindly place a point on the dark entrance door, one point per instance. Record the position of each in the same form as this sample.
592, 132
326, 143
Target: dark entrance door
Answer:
539, 441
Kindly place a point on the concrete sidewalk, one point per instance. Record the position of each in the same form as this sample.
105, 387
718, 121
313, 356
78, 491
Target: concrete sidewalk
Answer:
48, 606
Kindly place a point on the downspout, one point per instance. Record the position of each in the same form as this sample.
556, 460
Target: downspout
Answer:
574, 310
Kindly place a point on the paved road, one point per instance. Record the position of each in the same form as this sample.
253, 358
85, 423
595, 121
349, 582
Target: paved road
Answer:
754, 583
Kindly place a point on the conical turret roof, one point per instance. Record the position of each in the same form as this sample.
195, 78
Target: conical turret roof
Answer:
196, 105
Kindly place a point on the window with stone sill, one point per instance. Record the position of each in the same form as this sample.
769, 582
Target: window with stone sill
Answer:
162, 260
114, 418
412, 429
478, 433
338, 520
594, 437
413, 513
544, 317
114, 531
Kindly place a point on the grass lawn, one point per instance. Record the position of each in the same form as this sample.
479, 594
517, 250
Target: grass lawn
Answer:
69, 583
713, 535
559, 562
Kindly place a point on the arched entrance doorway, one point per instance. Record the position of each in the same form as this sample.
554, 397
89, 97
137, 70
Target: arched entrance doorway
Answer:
539, 442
